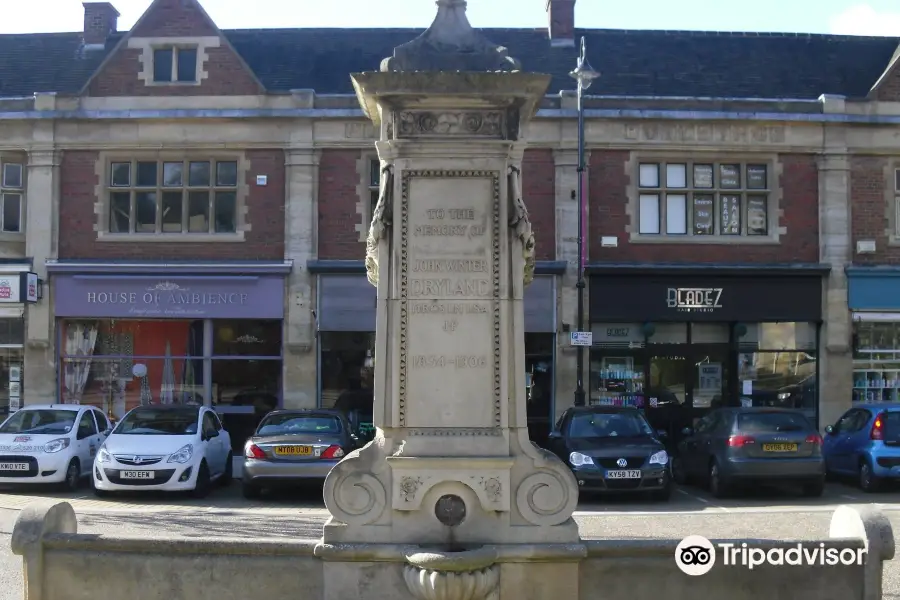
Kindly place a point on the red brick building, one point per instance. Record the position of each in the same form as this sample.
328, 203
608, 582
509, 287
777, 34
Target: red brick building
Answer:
195, 202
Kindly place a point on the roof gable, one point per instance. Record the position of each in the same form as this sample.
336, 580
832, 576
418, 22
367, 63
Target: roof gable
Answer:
127, 70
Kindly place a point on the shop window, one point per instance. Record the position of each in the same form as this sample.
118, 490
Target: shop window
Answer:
698, 199
12, 359
246, 337
616, 379
876, 361
173, 197
667, 333
347, 368
12, 184
778, 336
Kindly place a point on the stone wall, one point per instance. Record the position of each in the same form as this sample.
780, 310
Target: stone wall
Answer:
60, 564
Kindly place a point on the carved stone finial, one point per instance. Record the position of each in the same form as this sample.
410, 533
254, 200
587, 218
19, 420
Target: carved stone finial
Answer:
450, 44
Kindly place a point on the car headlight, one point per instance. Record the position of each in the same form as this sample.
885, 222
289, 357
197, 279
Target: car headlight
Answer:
56, 445
578, 459
182, 455
784, 395
660, 458
103, 455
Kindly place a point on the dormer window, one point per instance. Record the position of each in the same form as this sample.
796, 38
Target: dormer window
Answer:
175, 64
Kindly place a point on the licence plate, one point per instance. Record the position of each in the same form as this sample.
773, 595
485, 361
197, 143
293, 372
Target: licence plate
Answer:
629, 474
293, 450
137, 475
779, 447
13, 466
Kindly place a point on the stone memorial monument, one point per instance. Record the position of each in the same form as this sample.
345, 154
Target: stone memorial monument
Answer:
450, 250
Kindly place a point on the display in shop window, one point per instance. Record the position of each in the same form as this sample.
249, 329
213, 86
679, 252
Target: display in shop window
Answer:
731, 215
757, 215
704, 215
756, 177
730, 177
703, 176
617, 383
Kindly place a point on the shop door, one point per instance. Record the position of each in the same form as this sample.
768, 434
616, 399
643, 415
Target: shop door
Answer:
668, 390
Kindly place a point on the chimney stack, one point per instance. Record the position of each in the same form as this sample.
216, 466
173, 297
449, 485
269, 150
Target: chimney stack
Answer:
561, 15
100, 19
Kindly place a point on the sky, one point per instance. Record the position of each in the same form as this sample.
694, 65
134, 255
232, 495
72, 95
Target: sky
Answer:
869, 17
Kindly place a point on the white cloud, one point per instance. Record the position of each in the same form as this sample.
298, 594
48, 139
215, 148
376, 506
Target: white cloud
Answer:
865, 20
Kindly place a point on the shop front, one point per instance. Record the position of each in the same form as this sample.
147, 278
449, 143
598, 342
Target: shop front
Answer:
679, 342
166, 336
19, 287
346, 328
874, 302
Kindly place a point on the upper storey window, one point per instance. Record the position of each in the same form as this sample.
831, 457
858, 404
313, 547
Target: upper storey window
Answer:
175, 64
12, 186
685, 198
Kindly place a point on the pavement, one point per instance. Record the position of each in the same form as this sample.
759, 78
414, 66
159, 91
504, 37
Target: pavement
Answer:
766, 513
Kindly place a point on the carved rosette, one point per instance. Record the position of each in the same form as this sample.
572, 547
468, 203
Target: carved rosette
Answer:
412, 124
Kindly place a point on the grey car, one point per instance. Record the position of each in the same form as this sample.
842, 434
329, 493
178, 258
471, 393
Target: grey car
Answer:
731, 446
295, 446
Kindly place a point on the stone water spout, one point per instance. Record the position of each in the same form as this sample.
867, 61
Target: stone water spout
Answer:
452, 571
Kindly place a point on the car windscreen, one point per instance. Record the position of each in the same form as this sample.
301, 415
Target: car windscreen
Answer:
159, 422
299, 424
772, 422
891, 424
602, 425
40, 422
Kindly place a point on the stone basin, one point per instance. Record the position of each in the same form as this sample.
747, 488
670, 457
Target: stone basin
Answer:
453, 560
452, 573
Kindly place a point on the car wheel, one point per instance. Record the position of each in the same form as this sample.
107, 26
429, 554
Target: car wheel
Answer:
678, 472
201, 488
718, 485
814, 489
73, 476
250, 491
868, 482
228, 475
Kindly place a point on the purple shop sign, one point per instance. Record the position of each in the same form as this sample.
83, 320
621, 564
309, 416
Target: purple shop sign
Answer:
140, 297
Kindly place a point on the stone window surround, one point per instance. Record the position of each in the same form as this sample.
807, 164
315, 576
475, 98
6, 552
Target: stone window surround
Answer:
19, 159
892, 201
775, 211
364, 193
102, 189
148, 44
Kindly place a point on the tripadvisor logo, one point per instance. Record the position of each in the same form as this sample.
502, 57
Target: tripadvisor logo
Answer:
696, 555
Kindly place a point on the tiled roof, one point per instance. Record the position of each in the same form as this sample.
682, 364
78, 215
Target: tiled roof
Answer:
636, 63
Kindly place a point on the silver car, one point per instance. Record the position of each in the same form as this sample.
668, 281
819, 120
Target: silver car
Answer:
294, 446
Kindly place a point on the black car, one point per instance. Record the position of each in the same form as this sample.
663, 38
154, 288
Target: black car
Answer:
731, 446
612, 449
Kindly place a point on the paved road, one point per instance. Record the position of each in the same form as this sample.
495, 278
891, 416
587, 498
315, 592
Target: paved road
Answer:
766, 514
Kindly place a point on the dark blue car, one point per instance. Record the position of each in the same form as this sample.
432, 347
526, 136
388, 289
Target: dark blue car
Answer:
865, 444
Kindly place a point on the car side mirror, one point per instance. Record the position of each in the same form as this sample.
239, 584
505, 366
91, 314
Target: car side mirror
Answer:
661, 433
687, 431
829, 429
554, 435
106, 432
210, 435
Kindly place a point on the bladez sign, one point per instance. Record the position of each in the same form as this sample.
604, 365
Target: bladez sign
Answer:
694, 299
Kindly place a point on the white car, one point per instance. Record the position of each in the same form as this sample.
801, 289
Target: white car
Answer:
52, 443
164, 447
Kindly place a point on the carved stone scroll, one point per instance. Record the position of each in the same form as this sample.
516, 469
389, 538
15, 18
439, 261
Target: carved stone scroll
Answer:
381, 223
519, 223
464, 124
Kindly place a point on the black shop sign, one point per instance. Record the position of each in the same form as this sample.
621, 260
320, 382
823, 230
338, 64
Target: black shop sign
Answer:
642, 298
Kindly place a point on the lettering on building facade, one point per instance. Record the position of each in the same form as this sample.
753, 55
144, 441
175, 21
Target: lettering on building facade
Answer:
449, 286
417, 123
364, 131
739, 134
694, 299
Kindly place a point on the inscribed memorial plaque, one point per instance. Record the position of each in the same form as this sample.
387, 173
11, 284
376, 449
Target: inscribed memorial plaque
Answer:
449, 306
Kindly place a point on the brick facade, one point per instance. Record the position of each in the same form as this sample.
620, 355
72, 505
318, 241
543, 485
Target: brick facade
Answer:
609, 181
539, 193
227, 73
77, 219
871, 209
339, 185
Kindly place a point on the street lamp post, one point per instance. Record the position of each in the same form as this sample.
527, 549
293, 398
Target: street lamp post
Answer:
585, 75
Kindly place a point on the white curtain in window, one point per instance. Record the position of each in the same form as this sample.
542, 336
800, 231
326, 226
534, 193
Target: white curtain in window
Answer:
80, 341
649, 175
676, 213
676, 176
649, 213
